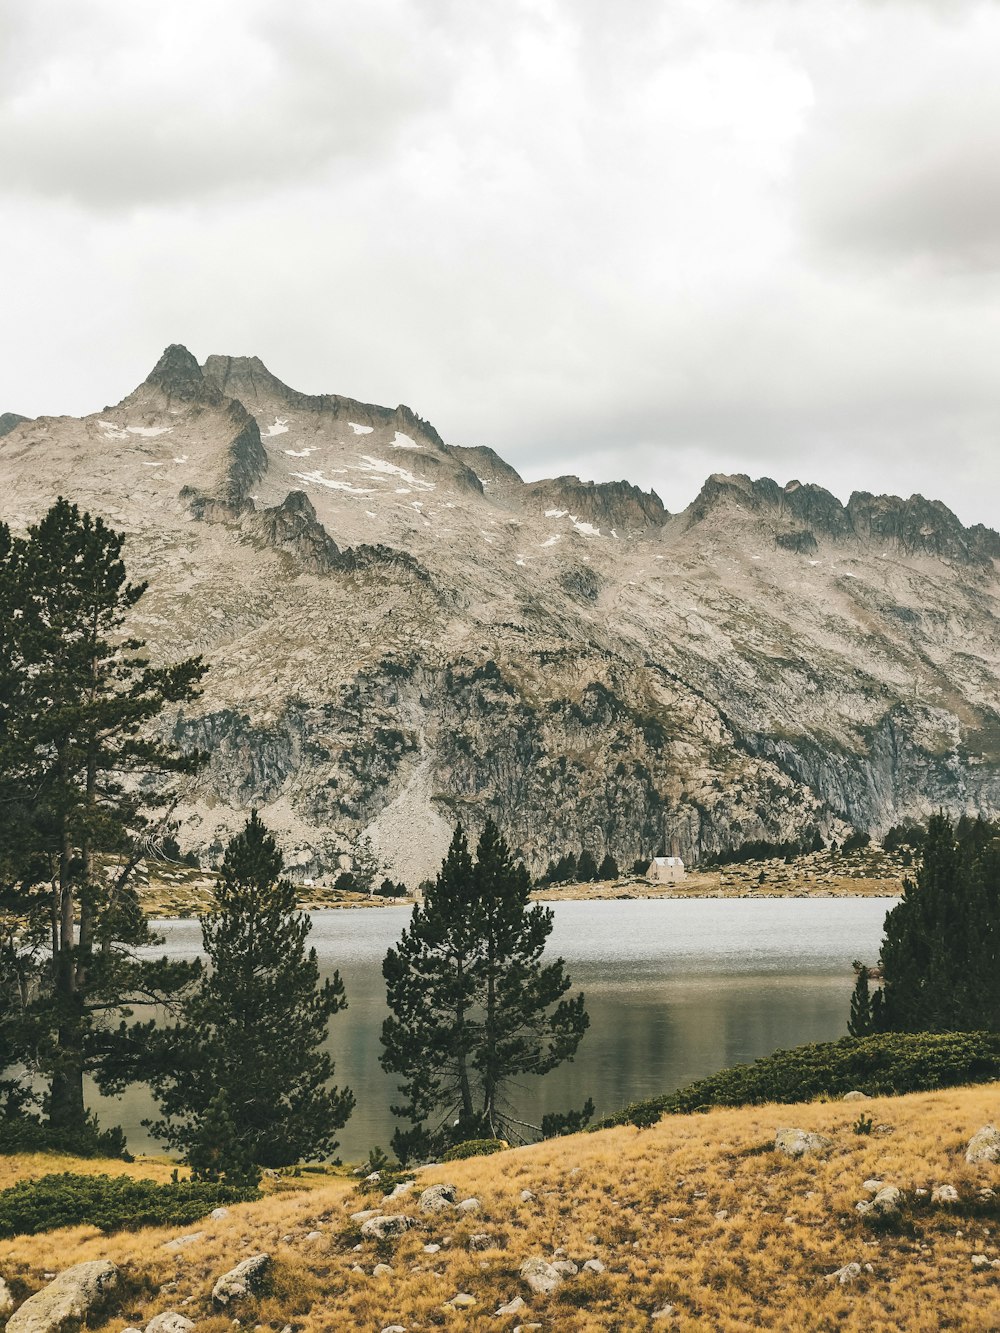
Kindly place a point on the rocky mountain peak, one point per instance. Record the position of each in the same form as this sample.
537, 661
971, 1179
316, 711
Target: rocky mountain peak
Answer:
178, 375
611, 505
8, 420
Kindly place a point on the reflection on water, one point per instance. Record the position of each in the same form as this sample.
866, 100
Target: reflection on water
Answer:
675, 990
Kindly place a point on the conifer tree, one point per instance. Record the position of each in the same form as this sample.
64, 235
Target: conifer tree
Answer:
941, 952
473, 1007
608, 869
586, 868
253, 1030
527, 1027
77, 697
860, 1024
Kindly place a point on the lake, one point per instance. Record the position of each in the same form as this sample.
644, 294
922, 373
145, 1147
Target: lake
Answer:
675, 989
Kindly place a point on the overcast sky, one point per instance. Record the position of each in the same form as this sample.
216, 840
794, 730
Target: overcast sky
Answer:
651, 239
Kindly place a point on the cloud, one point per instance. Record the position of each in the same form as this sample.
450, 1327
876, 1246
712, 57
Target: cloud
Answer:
115, 105
645, 241
902, 162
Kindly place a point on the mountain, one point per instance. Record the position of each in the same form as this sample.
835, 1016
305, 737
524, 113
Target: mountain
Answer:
403, 633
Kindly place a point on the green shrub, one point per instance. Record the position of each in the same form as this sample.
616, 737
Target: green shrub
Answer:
28, 1134
110, 1203
886, 1064
474, 1148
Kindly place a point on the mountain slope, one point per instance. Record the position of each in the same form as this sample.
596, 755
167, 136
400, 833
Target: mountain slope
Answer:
402, 633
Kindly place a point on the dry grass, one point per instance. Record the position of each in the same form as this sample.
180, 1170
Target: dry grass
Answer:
646, 1202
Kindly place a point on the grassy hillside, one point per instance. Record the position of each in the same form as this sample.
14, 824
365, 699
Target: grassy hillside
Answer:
698, 1212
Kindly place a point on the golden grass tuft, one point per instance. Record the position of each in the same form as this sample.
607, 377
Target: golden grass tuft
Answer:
697, 1211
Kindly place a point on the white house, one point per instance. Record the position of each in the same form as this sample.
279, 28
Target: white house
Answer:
666, 870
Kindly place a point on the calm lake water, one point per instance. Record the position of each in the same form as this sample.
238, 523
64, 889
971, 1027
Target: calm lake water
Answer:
675, 990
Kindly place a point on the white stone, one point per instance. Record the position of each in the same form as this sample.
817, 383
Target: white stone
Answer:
469, 1206
246, 1279
797, 1143
886, 1203
217, 1214
855, 1096
169, 1322
984, 1146
593, 1266
543, 1278
179, 1242
512, 1307
385, 1228
846, 1275
438, 1199
527, 1196
70, 1296
6, 1299
944, 1194
382, 1270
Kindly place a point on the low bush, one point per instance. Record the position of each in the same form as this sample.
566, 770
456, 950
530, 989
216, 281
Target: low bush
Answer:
26, 1133
110, 1203
474, 1148
888, 1063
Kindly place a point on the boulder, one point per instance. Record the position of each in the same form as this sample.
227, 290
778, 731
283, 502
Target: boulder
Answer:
6, 1299
886, 1203
398, 1191
68, 1299
846, 1275
382, 1270
944, 1194
438, 1199
542, 1277
512, 1307
566, 1267
217, 1214
469, 1206
984, 1146
179, 1242
169, 1322
593, 1266
248, 1278
462, 1301
800, 1143
387, 1228
983, 1261
855, 1096
480, 1240
527, 1196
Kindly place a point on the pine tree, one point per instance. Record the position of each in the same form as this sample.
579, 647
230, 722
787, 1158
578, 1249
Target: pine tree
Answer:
472, 1005
528, 1027
430, 979
941, 952
860, 1024
254, 1028
608, 869
586, 868
77, 700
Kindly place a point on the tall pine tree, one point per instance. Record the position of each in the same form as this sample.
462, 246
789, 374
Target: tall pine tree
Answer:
79, 761
473, 1007
941, 950
247, 1051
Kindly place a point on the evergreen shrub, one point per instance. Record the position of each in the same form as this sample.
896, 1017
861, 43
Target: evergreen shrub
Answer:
110, 1203
474, 1148
887, 1064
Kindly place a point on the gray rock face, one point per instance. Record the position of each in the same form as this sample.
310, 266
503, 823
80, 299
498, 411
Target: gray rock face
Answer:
438, 1199
67, 1300
399, 631
800, 1143
6, 1299
248, 1278
984, 1146
944, 1194
170, 1322
855, 1097
542, 1277
386, 1228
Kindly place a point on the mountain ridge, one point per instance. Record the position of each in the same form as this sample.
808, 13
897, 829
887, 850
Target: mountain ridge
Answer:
403, 632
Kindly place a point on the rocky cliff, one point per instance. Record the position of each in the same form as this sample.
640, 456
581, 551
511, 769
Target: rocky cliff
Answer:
403, 633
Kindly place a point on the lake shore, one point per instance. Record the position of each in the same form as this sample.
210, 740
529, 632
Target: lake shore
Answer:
171, 891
